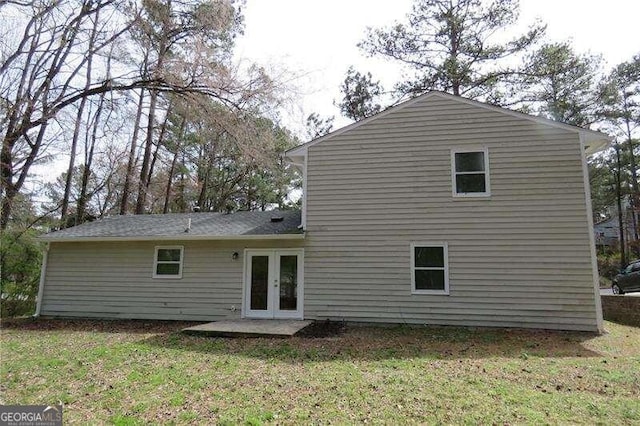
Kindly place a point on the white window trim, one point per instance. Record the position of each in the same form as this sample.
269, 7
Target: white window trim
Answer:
413, 268
487, 173
155, 262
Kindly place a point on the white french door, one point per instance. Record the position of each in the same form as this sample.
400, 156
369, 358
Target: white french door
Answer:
273, 283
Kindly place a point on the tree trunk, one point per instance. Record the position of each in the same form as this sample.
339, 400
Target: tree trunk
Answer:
76, 129
153, 102
453, 54
6, 180
203, 192
88, 162
12, 123
202, 197
167, 193
623, 257
182, 206
635, 196
132, 156
72, 159
10, 193
10, 188
146, 158
154, 158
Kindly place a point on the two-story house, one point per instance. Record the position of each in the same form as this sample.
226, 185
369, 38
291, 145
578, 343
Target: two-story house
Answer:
440, 210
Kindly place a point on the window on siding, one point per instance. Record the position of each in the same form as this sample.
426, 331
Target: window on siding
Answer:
429, 268
168, 262
470, 173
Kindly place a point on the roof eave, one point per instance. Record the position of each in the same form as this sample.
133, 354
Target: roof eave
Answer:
297, 160
299, 236
595, 142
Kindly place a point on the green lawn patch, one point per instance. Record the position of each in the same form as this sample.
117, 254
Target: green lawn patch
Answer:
138, 372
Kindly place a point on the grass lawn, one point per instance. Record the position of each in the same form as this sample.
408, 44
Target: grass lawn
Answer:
146, 372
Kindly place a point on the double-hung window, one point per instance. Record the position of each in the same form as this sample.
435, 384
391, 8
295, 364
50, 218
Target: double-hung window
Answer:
168, 262
429, 268
470, 172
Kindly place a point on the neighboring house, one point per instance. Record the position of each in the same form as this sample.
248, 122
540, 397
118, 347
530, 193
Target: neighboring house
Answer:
607, 233
440, 210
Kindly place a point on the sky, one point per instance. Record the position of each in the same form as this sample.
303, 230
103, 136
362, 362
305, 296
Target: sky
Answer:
316, 41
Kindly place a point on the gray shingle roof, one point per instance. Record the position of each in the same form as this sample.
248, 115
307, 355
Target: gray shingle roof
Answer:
173, 226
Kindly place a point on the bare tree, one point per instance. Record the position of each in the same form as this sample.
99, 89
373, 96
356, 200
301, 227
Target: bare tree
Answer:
41, 72
39, 79
79, 121
167, 29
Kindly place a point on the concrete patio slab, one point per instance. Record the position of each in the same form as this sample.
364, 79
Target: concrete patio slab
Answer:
248, 328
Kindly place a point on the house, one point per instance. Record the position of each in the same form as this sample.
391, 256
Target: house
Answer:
607, 233
440, 210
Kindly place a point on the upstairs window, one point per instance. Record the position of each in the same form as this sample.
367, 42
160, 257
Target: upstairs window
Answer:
470, 173
429, 268
168, 262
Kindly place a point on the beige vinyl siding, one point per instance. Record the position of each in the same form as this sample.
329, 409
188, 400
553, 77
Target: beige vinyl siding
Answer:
114, 280
520, 257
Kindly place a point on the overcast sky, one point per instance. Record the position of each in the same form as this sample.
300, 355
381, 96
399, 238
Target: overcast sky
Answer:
316, 40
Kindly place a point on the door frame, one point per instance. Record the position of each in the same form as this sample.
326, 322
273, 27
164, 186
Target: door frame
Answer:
272, 311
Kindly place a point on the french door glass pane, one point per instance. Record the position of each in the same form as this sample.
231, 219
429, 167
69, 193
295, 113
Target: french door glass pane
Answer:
288, 283
259, 282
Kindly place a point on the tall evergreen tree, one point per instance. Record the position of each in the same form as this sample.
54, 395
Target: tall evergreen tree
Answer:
620, 112
359, 95
620, 94
561, 84
450, 45
318, 126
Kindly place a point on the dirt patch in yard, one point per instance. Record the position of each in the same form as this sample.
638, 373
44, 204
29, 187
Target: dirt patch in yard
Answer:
318, 329
621, 309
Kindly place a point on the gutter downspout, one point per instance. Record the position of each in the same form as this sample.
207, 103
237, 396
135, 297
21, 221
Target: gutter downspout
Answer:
592, 240
43, 273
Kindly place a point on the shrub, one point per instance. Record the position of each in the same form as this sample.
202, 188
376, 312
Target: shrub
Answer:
21, 258
609, 265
